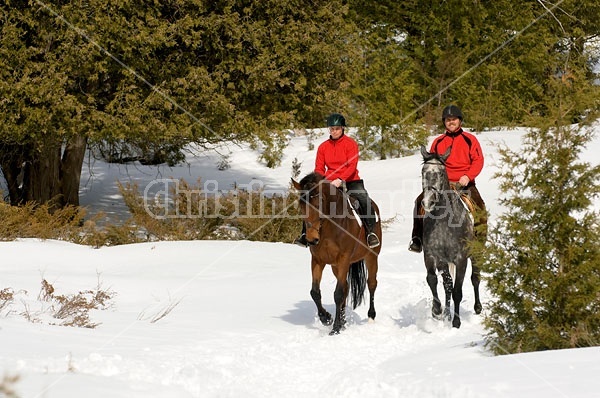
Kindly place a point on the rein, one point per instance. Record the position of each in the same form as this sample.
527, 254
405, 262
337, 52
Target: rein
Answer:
345, 198
464, 198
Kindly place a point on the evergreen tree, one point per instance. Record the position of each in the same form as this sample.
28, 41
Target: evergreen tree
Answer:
384, 93
543, 256
490, 57
151, 77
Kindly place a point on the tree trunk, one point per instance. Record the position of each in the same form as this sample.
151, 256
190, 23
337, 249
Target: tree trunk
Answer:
41, 182
42, 175
70, 171
11, 161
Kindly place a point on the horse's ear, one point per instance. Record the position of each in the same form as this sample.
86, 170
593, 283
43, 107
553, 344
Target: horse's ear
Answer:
296, 184
446, 154
424, 152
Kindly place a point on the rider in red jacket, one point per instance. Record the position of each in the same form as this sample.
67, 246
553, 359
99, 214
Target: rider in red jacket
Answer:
466, 158
462, 166
337, 159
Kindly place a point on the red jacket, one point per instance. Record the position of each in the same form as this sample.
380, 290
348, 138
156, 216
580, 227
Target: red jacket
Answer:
466, 157
338, 159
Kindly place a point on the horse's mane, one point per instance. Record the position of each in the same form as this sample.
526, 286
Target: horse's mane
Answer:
311, 180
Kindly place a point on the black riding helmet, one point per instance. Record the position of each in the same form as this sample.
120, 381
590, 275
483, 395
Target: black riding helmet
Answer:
452, 110
335, 119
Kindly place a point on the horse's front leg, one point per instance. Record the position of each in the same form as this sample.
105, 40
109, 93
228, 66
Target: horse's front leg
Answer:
457, 292
447, 283
315, 293
339, 296
436, 308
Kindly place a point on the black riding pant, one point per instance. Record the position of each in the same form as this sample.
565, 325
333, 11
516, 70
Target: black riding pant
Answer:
357, 190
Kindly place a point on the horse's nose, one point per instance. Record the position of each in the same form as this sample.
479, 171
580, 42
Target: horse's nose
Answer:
313, 242
425, 205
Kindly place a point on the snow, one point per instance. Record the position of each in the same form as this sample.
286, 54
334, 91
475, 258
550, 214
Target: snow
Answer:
235, 318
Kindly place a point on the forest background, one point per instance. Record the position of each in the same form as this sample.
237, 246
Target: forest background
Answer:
140, 80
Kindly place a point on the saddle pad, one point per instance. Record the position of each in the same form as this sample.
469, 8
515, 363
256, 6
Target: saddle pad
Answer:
468, 203
466, 198
355, 213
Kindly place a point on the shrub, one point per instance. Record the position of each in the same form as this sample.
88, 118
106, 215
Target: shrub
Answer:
542, 261
272, 218
191, 214
37, 221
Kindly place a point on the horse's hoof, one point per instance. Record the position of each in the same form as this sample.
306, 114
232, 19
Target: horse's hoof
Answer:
326, 319
334, 332
456, 322
447, 316
477, 308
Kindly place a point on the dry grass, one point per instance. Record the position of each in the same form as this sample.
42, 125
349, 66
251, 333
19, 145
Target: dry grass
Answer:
7, 296
7, 386
73, 310
161, 313
59, 309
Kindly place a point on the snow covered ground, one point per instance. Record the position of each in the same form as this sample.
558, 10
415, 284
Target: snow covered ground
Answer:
235, 318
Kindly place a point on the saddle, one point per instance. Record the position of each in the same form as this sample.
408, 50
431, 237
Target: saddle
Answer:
466, 198
466, 201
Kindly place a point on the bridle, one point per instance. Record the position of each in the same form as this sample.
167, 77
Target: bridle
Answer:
432, 192
307, 197
323, 207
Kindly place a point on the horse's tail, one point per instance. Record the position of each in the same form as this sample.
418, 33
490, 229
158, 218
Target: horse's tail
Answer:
357, 279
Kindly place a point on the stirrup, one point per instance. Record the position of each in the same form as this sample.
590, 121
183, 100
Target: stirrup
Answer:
373, 240
301, 241
415, 245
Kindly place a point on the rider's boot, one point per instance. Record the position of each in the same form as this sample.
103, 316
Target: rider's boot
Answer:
415, 245
301, 240
372, 238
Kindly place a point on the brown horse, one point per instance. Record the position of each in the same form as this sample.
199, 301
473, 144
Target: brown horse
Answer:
336, 237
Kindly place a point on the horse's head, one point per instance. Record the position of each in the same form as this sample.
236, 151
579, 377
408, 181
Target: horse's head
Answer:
312, 204
434, 178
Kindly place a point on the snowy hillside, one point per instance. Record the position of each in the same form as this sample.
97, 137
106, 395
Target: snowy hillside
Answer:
235, 318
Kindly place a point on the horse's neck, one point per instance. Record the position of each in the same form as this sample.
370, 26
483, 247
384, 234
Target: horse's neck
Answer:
449, 197
458, 214
445, 184
339, 201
